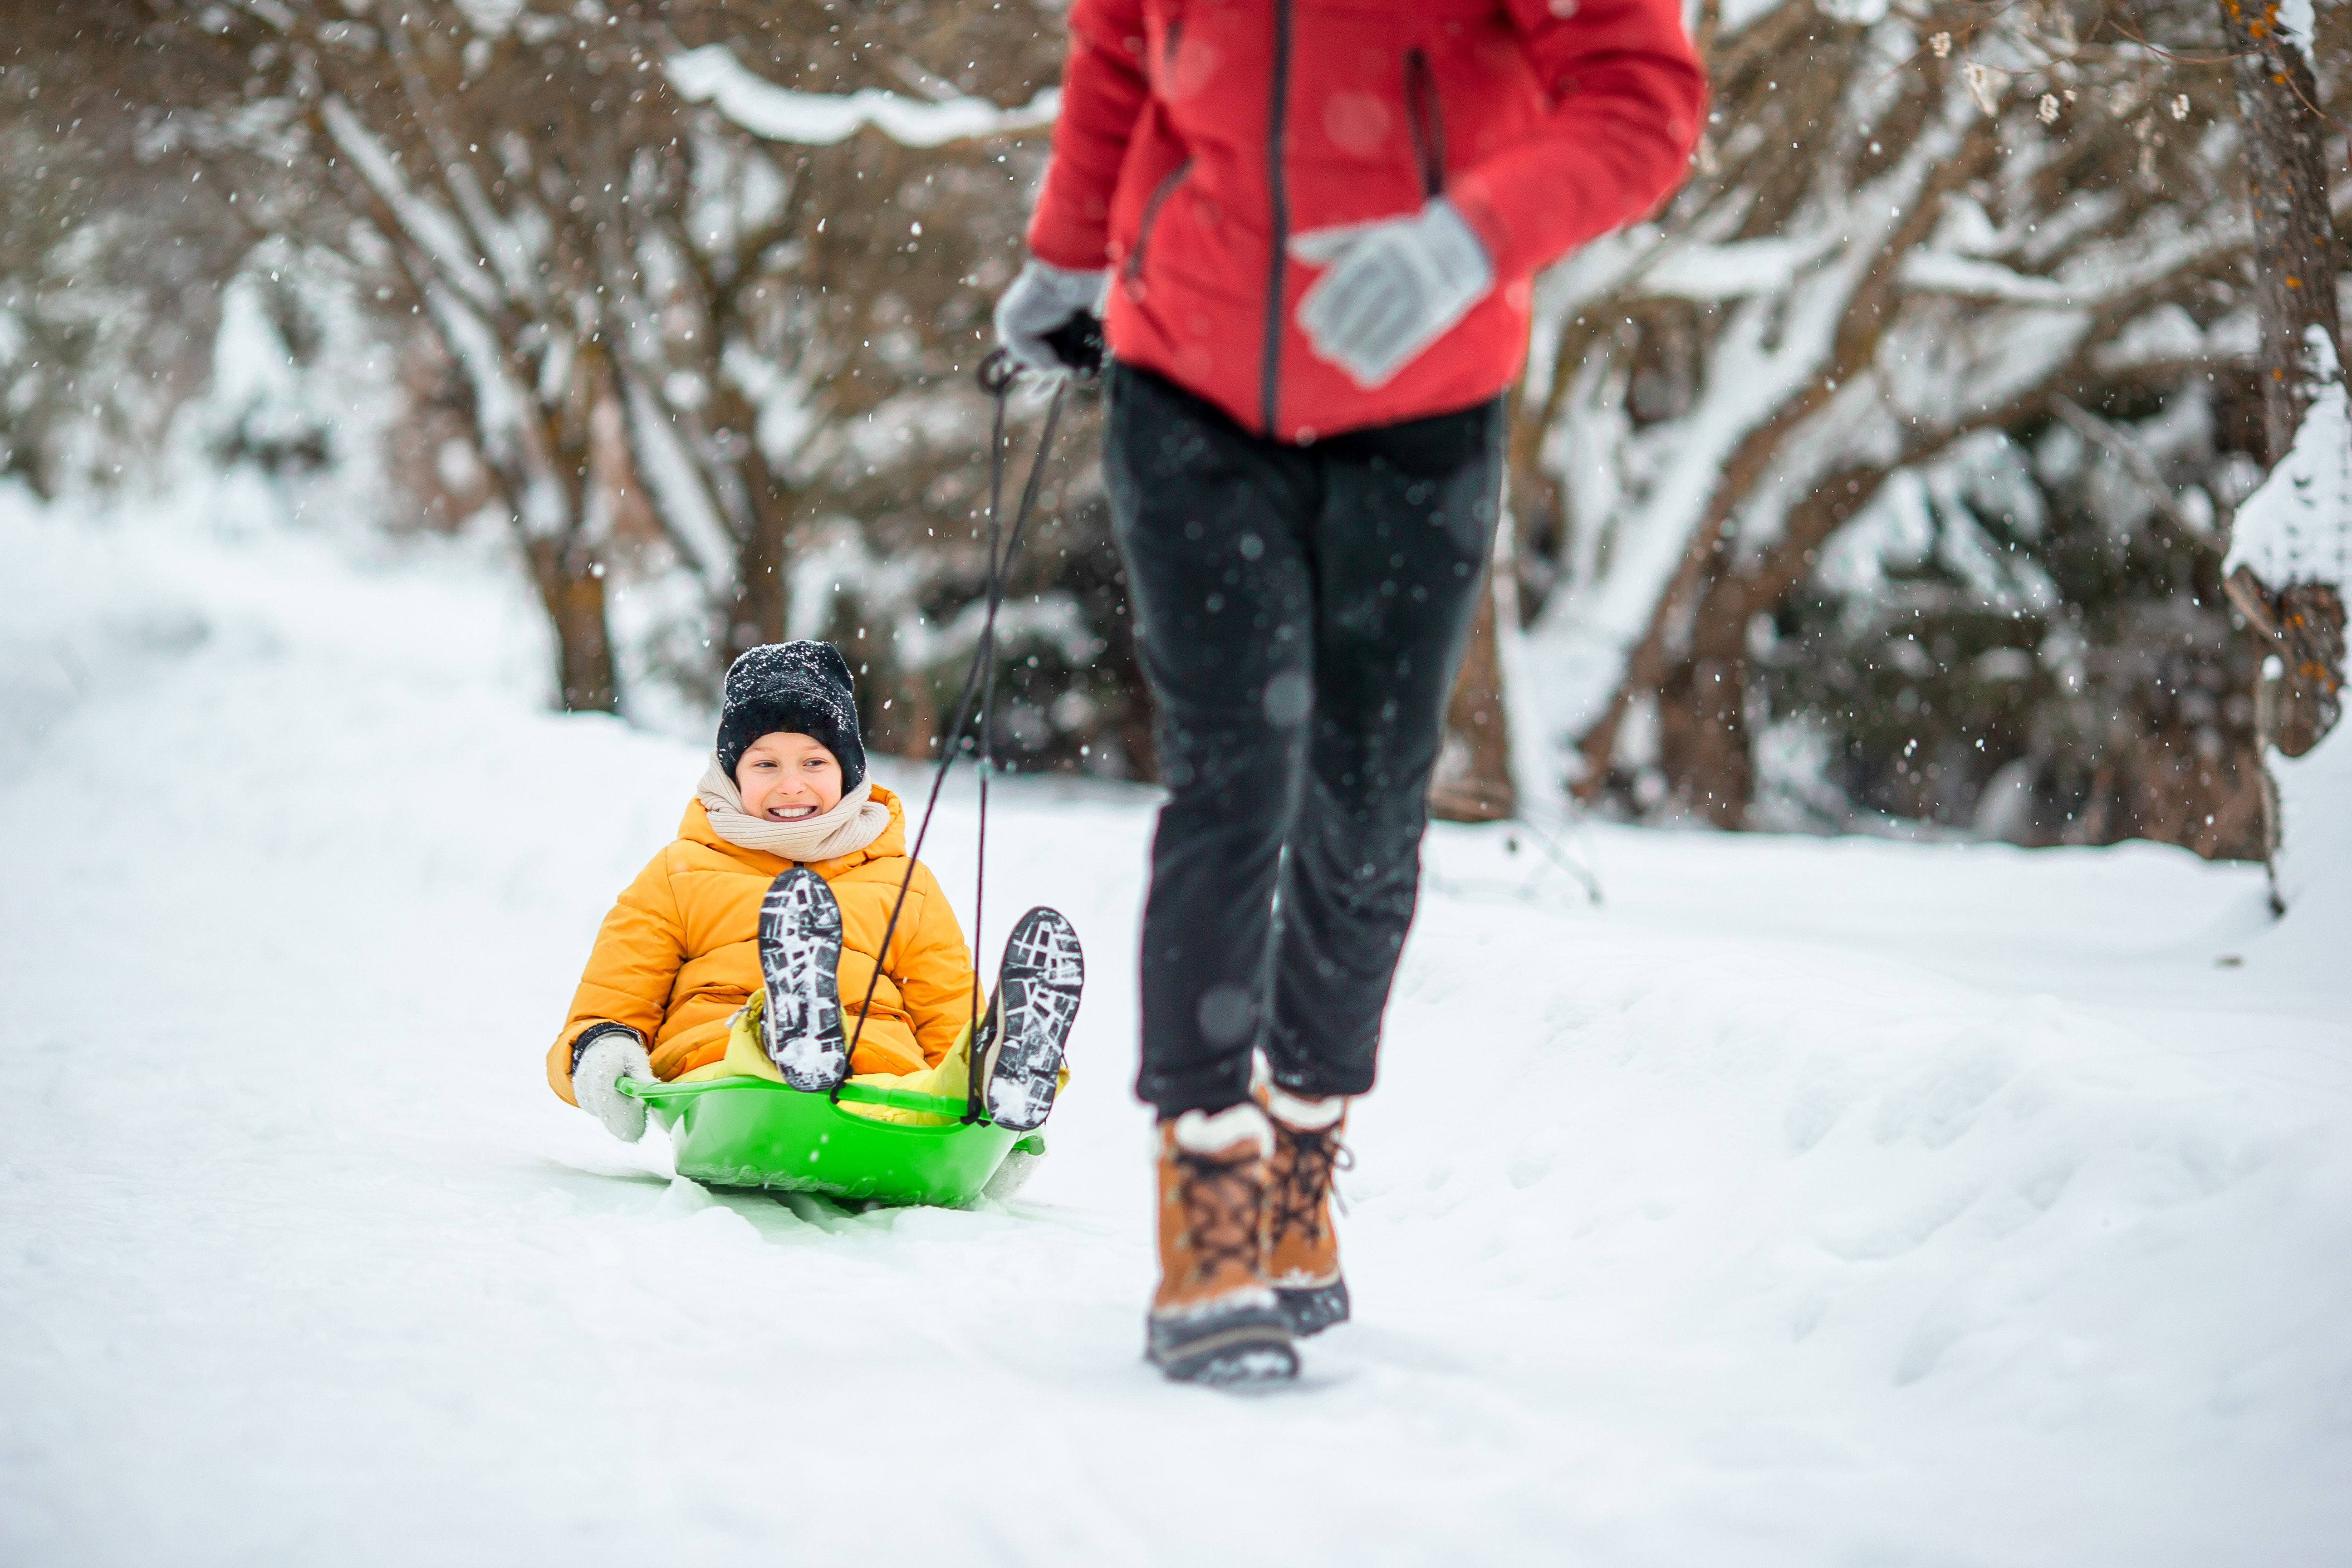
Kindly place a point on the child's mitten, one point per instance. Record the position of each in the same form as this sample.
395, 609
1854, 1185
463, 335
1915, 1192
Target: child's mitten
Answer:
614, 1054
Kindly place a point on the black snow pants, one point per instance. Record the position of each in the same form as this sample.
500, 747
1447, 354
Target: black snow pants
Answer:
1301, 613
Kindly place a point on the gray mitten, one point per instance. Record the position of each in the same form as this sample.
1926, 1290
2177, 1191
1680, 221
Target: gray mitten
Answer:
1395, 287
595, 1078
1043, 298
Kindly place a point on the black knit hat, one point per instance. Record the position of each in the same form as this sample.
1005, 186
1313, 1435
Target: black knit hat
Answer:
802, 687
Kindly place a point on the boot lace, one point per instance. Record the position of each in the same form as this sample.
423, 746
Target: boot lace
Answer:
1221, 1204
1296, 1202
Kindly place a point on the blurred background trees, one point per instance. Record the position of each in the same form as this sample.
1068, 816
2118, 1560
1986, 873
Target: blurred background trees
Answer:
1888, 473
1881, 480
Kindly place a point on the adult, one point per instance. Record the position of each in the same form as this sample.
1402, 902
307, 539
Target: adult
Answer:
1316, 225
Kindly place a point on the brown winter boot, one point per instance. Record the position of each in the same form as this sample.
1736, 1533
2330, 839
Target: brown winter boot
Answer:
1214, 1319
1302, 1251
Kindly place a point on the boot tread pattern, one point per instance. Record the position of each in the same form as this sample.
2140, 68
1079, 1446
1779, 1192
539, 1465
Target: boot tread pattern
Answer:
1029, 1018
800, 959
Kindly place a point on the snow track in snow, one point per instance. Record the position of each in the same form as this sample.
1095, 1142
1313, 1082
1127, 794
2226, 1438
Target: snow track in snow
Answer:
1810, 1203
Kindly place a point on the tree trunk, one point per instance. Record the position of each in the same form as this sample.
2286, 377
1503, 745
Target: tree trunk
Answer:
2286, 175
1473, 782
761, 593
573, 592
761, 518
1703, 711
2295, 263
1694, 656
911, 726
2301, 626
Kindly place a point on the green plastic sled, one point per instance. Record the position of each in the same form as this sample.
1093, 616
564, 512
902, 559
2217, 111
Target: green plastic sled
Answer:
751, 1133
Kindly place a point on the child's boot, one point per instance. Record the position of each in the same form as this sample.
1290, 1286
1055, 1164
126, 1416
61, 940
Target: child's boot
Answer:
1213, 1319
800, 956
1302, 1250
1029, 1019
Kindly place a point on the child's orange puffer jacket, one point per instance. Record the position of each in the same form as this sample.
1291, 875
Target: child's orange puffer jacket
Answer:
679, 954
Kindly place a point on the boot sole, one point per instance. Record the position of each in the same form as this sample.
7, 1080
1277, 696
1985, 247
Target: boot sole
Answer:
800, 961
1029, 1018
1227, 1350
1314, 1309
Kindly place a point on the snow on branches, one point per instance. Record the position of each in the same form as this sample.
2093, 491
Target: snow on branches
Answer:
1908, 234
2298, 527
712, 75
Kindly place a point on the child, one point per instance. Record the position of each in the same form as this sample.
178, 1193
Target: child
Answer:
748, 945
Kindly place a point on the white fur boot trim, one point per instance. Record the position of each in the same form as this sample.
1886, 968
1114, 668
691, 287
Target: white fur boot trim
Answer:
1305, 1115
1197, 1132
603, 1064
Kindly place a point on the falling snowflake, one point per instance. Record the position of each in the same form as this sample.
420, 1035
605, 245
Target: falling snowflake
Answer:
2180, 107
1941, 43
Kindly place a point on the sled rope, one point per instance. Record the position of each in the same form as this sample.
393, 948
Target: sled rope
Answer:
997, 375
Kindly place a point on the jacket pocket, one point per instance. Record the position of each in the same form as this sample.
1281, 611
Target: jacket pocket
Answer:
1150, 218
1424, 111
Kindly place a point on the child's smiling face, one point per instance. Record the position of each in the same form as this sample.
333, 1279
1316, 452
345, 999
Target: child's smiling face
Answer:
788, 777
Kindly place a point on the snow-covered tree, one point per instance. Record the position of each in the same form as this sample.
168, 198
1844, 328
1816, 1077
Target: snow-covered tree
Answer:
582, 206
115, 251
2290, 555
2290, 563
1935, 263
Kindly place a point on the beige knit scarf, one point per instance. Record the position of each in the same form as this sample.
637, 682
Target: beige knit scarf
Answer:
858, 820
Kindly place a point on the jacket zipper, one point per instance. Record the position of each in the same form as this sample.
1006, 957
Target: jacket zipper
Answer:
1426, 113
1158, 199
1277, 110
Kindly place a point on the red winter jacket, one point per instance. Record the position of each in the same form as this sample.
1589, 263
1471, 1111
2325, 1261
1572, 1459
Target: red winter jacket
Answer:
1546, 122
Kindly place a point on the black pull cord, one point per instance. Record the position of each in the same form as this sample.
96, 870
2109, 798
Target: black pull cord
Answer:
996, 374
999, 578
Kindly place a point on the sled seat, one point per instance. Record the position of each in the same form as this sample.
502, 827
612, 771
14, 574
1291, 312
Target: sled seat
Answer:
752, 1132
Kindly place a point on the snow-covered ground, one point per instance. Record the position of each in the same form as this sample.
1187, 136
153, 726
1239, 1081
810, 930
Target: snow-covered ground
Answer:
1806, 1203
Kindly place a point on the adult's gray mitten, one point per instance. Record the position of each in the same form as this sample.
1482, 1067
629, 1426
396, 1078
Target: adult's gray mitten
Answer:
1043, 298
609, 1058
1394, 287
